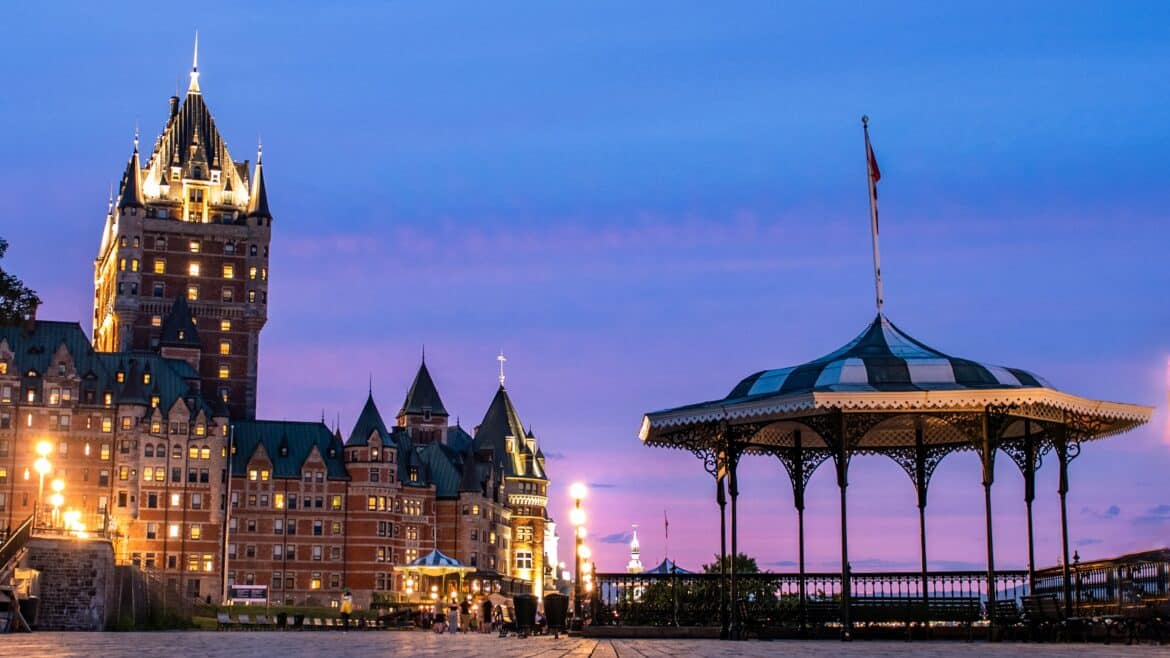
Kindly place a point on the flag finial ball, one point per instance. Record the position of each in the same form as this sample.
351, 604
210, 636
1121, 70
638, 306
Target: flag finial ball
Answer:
864, 119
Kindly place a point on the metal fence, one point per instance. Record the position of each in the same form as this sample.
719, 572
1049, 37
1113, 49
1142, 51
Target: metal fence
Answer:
774, 598
1109, 588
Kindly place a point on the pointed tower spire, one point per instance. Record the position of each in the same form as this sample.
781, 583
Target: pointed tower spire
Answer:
132, 180
258, 203
193, 87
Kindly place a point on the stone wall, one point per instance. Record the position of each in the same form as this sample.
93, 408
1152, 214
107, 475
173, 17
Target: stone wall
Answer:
76, 584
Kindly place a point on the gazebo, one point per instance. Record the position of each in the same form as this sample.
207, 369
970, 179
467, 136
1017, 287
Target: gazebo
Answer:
886, 393
436, 565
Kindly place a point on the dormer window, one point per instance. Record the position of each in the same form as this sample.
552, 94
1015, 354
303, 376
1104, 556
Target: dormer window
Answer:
121, 376
214, 175
197, 172
426, 413
373, 454
414, 474
146, 378
511, 442
283, 450
154, 402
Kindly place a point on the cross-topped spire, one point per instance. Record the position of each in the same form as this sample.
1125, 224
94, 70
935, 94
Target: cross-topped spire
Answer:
193, 87
501, 358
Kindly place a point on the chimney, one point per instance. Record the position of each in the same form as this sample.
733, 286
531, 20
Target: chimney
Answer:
174, 105
30, 320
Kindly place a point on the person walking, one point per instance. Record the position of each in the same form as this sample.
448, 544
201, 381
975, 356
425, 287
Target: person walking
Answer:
346, 608
453, 625
464, 615
489, 621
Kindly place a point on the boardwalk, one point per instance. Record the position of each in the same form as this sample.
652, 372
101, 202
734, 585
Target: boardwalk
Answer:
371, 644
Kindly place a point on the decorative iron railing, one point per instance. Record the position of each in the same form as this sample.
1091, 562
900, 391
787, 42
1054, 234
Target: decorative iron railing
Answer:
1108, 588
773, 599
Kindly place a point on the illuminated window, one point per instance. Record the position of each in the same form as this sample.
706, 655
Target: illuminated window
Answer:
372, 503
227, 295
107, 399
224, 371
134, 265
122, 264
105, 452
263, 273
193, 452
175, 500
160, 266
200, 430
208, 562
107, 425
154, 401
120, 376
193, 269
192, 562
252, 272
251, 296
523, 559
193, 246
253, 474
315, 581
225, 325
336, 502
146, 378
264, 475
192, 293
196, 531
173, 531
155, 425
278, 500
229, 271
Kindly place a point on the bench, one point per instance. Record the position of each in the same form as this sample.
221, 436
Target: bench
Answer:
1007, 617
1044, 615
223, 621
245, 622
262, 622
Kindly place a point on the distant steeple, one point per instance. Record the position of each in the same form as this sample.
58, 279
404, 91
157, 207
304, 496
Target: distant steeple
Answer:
258, 204
132, 181
193, 87
635, 563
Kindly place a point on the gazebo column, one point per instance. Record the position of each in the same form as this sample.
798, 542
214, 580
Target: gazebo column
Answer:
842, 460
988, 451
798, 480
731, 458
721, 499
920, 483
1029, 496
1066, 452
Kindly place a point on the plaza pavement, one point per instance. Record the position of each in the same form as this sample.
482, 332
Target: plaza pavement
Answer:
372, 644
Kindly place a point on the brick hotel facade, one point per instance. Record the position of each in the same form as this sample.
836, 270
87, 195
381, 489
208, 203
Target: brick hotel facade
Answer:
152, 424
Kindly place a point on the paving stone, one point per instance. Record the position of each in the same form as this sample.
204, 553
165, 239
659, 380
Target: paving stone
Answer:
369, 644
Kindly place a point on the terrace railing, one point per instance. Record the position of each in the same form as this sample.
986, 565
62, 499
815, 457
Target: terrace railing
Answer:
773, 599
1109, 588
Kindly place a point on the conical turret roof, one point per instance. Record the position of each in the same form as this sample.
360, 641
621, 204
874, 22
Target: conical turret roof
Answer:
369, 421
178, 328
423, 395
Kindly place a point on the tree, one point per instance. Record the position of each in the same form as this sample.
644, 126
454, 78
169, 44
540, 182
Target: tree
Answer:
16, 299
743, 564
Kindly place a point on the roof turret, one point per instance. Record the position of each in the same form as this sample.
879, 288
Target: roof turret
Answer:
178, 328
423, 396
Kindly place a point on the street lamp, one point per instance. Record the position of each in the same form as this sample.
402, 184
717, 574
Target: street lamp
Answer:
577, 517
56, 500
42, 467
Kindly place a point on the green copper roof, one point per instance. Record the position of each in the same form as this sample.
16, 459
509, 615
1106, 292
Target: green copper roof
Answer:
178, 328
423, 395
287, 444
369, 421
499, 423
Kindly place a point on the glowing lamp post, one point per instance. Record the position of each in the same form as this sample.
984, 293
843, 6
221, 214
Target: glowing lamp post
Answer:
56, 500
42, 467
577, 518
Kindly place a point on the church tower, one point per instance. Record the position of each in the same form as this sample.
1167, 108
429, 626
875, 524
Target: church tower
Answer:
635, 563
189, 222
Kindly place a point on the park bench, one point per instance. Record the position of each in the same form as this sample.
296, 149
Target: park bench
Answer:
318, 624
1044, 615
223, 621
246, 622
262, 622
1007, 618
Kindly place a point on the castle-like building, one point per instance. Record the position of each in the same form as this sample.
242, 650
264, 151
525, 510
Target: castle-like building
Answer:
151, 424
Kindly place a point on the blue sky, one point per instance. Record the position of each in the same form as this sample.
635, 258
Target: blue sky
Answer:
641, 203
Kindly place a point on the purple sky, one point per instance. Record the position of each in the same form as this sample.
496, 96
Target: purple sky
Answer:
643, 203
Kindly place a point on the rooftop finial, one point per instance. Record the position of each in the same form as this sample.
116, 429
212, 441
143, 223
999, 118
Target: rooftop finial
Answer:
501, 358
136, 135
110, 202
194, 86
424, 354
260, 150
371, 389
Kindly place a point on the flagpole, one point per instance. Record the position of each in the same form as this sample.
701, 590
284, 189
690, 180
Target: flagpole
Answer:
873, 175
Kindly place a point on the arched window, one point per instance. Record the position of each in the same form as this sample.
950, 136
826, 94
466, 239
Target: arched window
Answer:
149, 450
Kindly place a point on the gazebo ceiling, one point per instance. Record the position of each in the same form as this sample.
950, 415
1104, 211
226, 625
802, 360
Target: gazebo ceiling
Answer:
886, 372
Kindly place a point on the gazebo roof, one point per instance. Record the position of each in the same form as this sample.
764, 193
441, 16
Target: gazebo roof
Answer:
884, 358
886, 371
435, 563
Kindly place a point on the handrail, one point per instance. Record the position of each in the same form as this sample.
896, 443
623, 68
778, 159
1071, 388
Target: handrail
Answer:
15, 542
